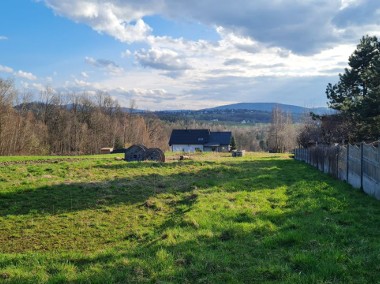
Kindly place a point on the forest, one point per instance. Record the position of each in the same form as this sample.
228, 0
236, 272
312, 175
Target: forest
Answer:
62, 124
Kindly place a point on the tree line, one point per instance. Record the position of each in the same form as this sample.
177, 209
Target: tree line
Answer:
64, 124
83, 123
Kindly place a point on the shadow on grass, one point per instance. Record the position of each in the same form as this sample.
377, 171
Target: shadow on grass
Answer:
308, 245
311, 248
61, 198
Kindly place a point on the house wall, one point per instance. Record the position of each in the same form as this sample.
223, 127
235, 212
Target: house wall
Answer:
186, 148
223, 148
192, 148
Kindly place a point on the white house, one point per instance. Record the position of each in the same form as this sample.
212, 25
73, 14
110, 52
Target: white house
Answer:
192, 140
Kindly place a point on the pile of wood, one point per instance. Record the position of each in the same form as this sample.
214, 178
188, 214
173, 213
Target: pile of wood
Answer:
140, 153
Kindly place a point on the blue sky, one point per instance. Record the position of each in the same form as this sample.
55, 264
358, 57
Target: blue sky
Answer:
179, 54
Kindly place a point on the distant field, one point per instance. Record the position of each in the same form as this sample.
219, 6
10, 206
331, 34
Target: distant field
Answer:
213, 219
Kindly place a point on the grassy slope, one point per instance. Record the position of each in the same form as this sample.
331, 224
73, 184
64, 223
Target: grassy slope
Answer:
262, 218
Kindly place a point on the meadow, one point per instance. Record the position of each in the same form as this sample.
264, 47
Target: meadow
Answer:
263, 218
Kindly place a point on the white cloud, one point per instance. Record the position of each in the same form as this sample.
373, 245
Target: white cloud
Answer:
106, 64
160, 99
220, 73
349, 3
301, 26
162, 59
82, 83
39, 87
241, 42
120, 20
3, 37
263, 47
158, 95
25, 75
5, 69
126, 53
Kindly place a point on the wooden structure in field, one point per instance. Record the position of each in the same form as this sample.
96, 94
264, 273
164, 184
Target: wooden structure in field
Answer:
155, 154
135, 153
138, 153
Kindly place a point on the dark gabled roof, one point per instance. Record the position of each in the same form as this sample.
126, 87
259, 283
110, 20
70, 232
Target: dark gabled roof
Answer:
189, 136
221, 138
200, 137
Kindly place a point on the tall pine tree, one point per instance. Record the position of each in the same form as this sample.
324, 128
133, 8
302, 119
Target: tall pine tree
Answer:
357, 94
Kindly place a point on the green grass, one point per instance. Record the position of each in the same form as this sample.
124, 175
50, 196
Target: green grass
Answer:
43, 158
214, 219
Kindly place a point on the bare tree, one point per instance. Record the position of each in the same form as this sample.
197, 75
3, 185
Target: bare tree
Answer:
282, 133
7, 95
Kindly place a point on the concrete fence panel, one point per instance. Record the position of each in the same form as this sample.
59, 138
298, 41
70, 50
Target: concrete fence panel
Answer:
354, 166
342, 163
371, 170
357, 165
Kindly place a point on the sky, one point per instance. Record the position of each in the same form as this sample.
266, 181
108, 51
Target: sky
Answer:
181, 54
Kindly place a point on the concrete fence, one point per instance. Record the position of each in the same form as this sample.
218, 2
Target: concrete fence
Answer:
357, 165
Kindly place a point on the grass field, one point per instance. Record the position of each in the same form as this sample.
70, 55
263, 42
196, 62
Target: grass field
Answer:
213, 219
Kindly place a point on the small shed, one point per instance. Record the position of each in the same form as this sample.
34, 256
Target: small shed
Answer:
135, 153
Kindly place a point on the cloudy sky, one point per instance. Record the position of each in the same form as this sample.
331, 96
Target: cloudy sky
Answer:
181, 54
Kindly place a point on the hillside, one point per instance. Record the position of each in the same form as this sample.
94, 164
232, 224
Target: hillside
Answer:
250, 113
213, 219
216, 115
267, 107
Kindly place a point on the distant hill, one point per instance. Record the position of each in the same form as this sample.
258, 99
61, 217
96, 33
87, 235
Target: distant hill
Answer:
241, 113
269, 106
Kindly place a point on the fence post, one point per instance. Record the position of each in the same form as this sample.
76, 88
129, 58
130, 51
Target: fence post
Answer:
337, 161
323, 159
347, 161
361, 164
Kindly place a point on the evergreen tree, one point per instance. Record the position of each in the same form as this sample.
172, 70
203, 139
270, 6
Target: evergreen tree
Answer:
233, 143
357, 94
